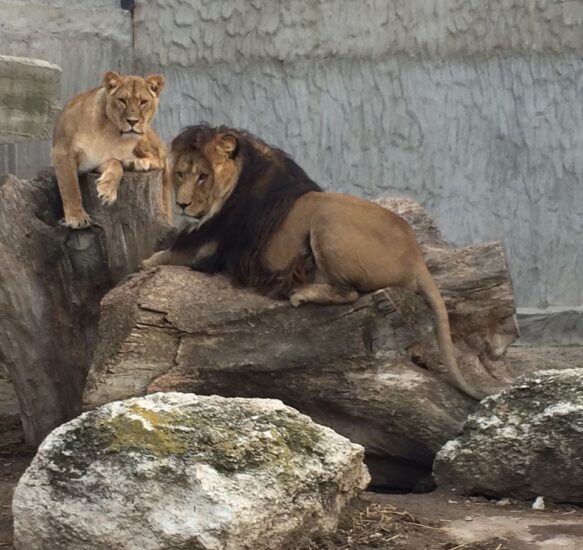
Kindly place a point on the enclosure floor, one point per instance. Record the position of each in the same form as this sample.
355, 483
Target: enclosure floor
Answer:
434, 521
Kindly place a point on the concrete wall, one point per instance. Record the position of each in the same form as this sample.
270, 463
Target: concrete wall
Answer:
29, 98
472, 108
85, 38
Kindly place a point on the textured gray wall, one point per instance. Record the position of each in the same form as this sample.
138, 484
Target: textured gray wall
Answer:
472, 108
85, 38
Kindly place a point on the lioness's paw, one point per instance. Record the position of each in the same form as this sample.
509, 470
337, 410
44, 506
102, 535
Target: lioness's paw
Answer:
78, 221
297, 300
138, 165
107, 189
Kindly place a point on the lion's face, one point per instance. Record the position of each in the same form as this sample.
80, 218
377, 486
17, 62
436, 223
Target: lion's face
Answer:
204, 178
193, 182
132, 101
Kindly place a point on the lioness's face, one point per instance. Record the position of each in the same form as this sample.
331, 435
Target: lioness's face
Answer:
204, 179
132, 101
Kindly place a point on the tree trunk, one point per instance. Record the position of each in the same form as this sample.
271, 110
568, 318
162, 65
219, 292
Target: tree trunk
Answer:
52, 280
369, 370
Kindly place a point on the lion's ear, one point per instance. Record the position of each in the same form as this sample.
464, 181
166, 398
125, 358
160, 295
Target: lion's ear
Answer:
227, 143
156, 84
112, 81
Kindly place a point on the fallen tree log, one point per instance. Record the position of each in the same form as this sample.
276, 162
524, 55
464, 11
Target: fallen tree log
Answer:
370, 370
52, 280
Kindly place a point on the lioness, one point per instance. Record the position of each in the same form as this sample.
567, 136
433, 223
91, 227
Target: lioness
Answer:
263, 221
108, 129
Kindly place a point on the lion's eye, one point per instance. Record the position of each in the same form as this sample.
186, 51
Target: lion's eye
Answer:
143, 102
202, 178
179, 175
123, 101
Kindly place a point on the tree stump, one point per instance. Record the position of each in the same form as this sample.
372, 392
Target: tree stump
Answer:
52, 280
370, 370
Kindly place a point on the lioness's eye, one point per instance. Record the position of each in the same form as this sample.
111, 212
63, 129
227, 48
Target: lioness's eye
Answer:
202, 178
122, 101
143, 102
179, 175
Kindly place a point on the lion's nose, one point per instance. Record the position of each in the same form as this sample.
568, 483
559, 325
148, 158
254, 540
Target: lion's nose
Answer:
183, 205
132, 121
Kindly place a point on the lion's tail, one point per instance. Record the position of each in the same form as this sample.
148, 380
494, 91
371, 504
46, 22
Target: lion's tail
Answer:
431, 293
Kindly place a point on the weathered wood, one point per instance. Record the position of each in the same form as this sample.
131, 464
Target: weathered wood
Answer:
370, 370
52, 279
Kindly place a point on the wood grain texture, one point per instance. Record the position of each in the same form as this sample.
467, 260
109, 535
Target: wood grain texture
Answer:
51, 282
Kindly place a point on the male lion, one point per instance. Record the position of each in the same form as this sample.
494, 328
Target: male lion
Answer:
108, 129
264, 222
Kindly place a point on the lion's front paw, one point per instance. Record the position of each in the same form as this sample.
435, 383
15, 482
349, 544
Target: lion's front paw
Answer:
80, 220
138, 164
162, 257
297, 300
150, 262
147, 264
107, 185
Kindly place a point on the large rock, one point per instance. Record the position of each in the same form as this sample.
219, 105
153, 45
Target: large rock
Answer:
29, 95
369, 370
180, 471
525, 442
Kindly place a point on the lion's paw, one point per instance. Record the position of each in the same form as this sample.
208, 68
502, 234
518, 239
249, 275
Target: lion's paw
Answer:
297, 300
137, 164
148, 263
159, 258
79, 221
107, 189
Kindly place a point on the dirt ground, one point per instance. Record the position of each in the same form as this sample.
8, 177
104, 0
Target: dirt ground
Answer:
434, 521
11, 468
443, 521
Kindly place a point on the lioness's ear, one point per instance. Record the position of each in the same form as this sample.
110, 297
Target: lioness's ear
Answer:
156, 84
227, 143
112, 81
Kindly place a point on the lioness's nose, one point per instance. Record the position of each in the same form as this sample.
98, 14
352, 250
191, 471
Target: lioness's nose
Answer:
132, 121
183, 205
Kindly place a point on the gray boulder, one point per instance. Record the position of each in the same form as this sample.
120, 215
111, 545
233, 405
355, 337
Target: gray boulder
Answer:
180, 471
524, 442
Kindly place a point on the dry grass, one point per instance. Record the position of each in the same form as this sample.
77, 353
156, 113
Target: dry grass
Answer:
365, 526
370, 525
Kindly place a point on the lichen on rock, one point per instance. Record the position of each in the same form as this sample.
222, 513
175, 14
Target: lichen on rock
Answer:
184, 471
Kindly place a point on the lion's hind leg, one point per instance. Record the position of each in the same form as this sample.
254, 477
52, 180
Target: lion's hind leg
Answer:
323, 293
108, 183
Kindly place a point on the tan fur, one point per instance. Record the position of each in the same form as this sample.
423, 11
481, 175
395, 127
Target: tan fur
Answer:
108, 129
357, 246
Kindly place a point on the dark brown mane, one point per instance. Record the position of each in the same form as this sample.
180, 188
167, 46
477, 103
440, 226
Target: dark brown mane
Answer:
269, 184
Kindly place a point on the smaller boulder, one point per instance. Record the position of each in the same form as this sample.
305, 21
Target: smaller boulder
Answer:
524, 442
181, 471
